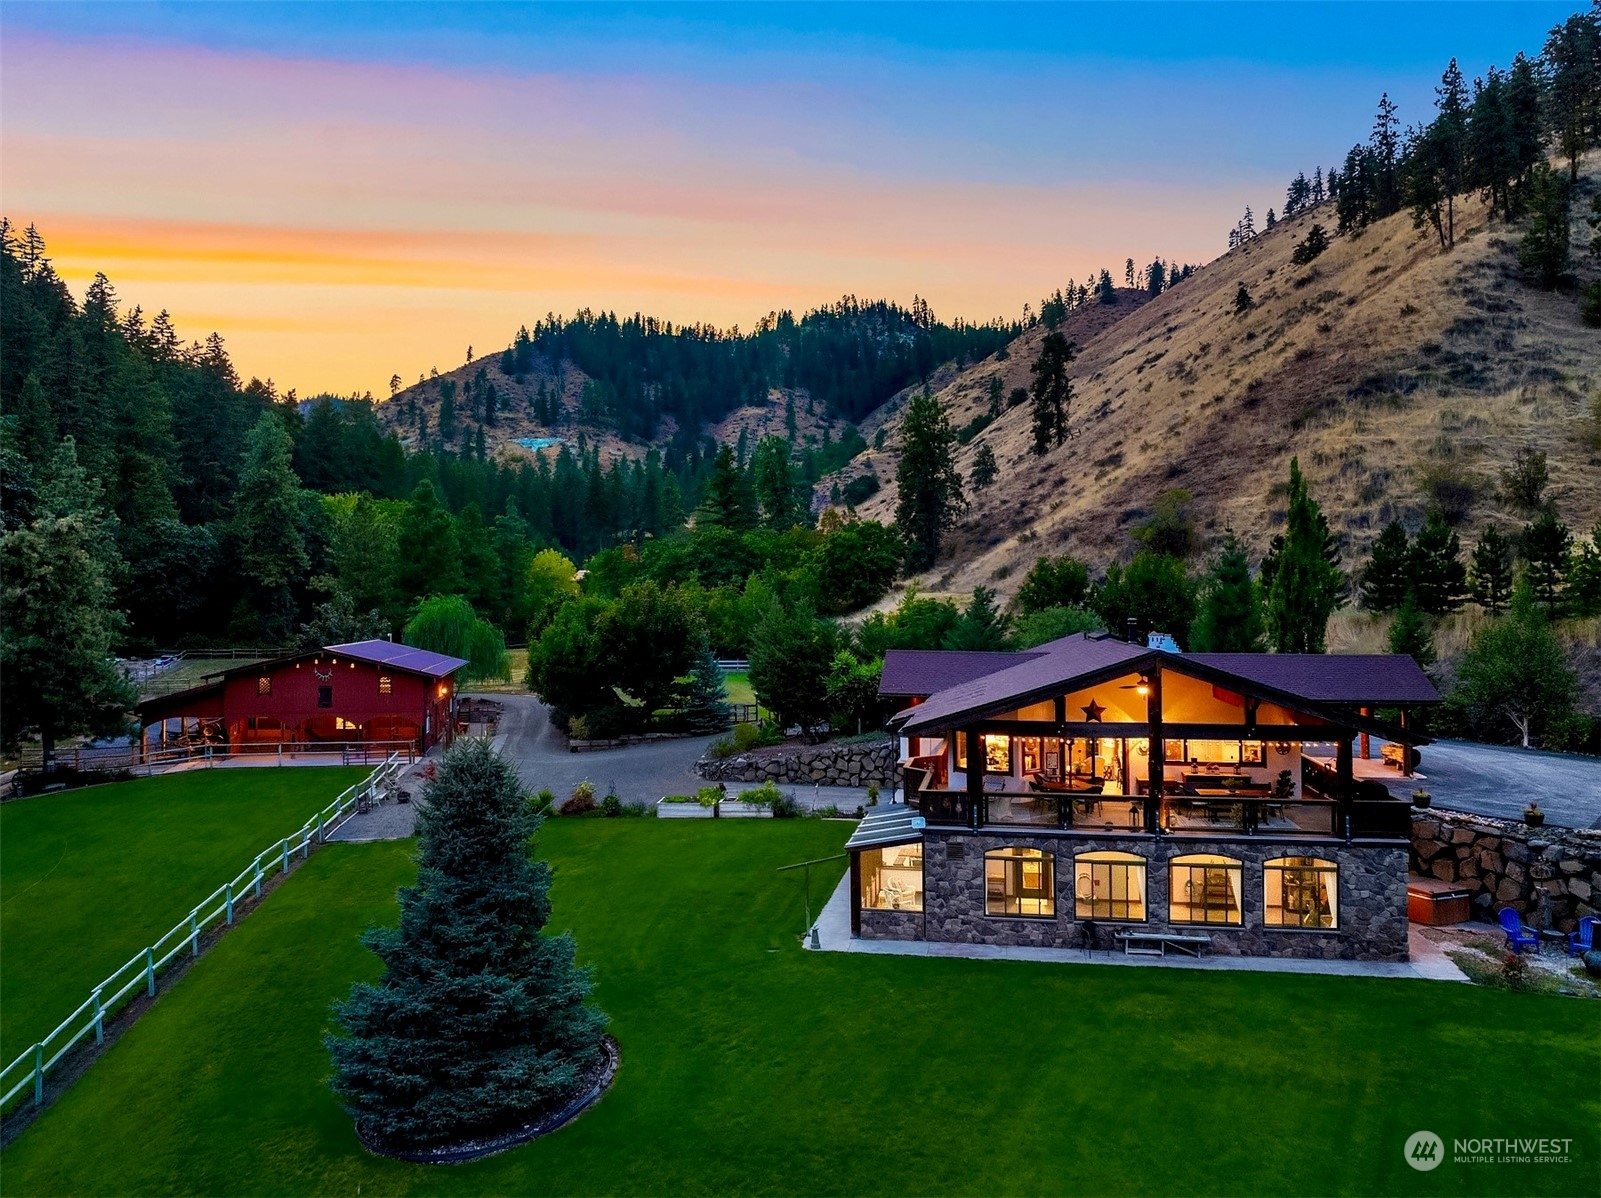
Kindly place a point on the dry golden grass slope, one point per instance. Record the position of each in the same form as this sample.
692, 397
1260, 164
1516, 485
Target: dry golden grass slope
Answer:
1392, 369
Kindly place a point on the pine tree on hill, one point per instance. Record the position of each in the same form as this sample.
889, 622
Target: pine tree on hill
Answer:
1305, 584
481, 1021
1439, 579
1492, 570
727, 501
1229, 619
1546, 545
1410, 633
1242, 300
1052, 391
982, 476
983, 626
930, 487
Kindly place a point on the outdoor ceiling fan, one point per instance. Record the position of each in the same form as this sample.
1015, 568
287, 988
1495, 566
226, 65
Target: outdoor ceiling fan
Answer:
1143, 686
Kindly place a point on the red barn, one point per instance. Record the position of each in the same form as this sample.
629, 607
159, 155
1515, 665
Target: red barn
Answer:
370, 693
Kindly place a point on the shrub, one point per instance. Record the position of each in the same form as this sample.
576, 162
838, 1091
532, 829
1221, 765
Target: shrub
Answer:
872, 794
581, 801
544, 801
785, 807
611, 806
765, 795
1515, 971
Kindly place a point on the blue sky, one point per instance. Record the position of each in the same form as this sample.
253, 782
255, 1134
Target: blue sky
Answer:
308, 178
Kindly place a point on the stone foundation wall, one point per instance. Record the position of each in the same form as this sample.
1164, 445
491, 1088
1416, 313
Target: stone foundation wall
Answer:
829, 765
1371, 905
892, 925
1552, 876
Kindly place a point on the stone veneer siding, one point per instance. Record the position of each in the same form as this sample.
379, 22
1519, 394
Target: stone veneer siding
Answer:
1372, 897
1551, 876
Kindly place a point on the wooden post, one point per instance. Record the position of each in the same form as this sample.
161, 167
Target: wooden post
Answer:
1342, 767
1406, 750
1365, 748
1156, 763
975, 779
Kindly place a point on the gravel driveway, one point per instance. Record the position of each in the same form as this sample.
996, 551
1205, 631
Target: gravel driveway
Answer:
640, 773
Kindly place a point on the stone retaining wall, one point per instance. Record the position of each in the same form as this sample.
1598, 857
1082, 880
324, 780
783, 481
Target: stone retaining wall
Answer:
1552, 876
872, 763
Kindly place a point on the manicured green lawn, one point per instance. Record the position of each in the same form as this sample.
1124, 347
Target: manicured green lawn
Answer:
739, 688
89, 877
750, 1065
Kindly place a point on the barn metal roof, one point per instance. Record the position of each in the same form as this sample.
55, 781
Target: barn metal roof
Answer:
400, 657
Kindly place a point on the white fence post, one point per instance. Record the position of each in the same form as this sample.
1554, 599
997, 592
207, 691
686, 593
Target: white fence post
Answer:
100, 1019
150, 971
228, 901
194, 935
286, 854
258, 879
38, 1074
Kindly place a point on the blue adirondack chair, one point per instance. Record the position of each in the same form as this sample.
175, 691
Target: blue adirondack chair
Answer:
1518, 937
1583, 940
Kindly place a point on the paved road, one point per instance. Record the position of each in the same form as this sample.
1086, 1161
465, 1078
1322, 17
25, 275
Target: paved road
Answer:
1498, 780
640, 773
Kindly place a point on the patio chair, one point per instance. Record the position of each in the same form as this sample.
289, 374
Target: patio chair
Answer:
1518, 935
1583, 940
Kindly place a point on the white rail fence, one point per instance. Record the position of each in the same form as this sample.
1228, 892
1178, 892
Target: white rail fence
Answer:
142, 970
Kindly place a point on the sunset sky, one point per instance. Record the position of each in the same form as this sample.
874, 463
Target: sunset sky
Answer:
349, 192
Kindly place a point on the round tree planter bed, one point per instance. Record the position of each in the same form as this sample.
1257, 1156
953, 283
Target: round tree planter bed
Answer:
473, 1150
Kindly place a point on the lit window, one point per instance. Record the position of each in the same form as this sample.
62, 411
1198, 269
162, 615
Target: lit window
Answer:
892, 878
997, 753
1204, 888
1301, 892
385, 686
325, 696
1109, 886
264, 685
1019, 882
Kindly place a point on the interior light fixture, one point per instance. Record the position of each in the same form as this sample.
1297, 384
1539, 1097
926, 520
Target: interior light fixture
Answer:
1143, 686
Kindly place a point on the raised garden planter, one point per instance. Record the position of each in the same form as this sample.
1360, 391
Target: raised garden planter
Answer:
738, 809
688, 808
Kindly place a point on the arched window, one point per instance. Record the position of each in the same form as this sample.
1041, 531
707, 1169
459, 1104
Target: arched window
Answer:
1019, 881
1109, 886
1204, 888
1301, 892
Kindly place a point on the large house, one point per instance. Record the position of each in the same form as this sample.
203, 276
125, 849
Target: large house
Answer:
1094, 791
374, 694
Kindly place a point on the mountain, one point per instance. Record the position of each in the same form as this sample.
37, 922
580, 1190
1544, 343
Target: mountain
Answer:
1402, 377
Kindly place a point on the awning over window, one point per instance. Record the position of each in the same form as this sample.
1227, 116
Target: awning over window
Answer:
895, 823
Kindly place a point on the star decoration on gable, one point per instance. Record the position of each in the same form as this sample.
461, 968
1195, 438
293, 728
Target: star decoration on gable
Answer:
1093, 712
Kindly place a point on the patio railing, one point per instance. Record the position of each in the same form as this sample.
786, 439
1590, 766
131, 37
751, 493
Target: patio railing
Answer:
144, 968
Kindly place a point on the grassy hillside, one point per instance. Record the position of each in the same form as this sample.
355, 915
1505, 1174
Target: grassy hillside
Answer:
1399, 374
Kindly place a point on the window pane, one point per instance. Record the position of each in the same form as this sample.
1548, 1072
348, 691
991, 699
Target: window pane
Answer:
1205, 889
1109, 886
1300, 892
892, 878
1019, 882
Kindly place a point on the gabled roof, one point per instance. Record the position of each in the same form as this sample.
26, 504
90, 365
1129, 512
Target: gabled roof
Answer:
400, 657
919, 672
1036, 673
1310, 681
1370, 679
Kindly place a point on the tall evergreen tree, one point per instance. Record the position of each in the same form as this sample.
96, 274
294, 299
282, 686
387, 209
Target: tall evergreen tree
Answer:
1582, 588
1543, 253
727, 500
1387, 577
1572, 58
985, 469
1410, 633
1492, 570
1545, 546
428, 560
704, 703
983, 626
930, 487
58, 622
1305, 585
1229, 619
1439, 579
481, 1020
776, 487
267, 530
1051, 391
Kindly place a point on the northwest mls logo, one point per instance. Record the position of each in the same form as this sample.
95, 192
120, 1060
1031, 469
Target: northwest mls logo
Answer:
1424, 1150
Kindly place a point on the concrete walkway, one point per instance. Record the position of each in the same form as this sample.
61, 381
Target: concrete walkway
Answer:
833, 932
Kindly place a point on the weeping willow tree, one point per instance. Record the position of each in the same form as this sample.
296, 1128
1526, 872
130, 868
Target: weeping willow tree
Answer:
448, 624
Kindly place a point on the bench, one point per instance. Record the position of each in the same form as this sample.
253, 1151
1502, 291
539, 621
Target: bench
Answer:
1156, 944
